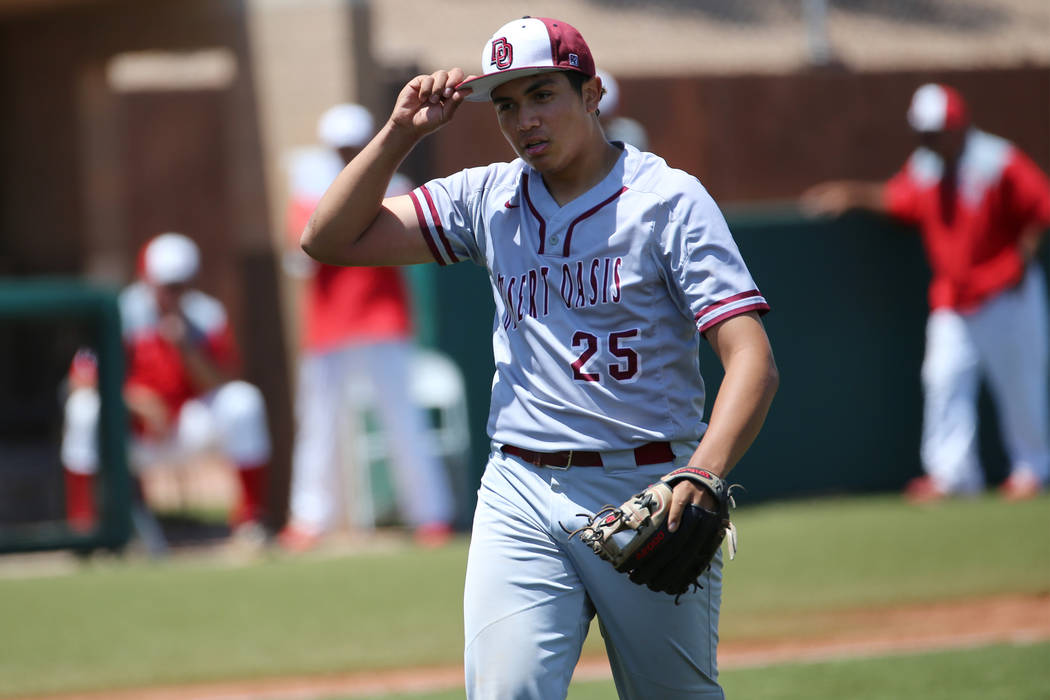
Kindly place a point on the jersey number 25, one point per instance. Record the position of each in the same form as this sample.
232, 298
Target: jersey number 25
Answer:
620, 371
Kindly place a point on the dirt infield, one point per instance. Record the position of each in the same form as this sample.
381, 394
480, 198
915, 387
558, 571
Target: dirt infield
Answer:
851, 634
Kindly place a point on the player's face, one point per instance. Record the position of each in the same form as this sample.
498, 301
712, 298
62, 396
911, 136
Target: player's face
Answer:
544, 119
947, 144
168, 296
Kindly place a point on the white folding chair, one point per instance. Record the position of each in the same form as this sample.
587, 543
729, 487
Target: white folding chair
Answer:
437, 386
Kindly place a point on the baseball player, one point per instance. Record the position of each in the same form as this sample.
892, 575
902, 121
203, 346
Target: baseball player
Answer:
179, 389
357, 332
606, 267
981, 207
618, 127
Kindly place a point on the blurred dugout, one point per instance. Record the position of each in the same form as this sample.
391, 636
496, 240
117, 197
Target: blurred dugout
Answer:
42, 323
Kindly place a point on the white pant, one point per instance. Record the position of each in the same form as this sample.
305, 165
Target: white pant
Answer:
232, 419
1005, 341
325, 382
531, 593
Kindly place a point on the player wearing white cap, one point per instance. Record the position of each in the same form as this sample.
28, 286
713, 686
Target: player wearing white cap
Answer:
606, 268
357, 332
180, 388
616, 126
981, 206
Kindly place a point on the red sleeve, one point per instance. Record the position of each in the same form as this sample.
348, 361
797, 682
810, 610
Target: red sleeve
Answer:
299, 212
901, 197
1026, 191
222, 349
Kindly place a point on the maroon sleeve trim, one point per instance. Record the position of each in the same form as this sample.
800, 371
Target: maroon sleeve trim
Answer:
424, 227
728, 300
760, 306
437, 225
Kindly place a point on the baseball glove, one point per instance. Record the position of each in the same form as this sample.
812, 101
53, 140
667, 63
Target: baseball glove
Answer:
634, 537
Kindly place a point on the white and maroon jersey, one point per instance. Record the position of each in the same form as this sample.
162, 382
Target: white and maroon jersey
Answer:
155, 362
971, 226
599, 303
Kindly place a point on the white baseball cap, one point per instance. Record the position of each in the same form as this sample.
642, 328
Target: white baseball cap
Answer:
936, 107
611, 99
529, 46
345, 125
170, 258
629, 131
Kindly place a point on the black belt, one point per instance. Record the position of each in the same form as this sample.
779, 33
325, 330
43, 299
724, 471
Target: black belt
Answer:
649, 453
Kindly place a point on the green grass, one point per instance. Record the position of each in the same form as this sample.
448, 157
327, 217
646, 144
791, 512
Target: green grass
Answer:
125, 625
998, 672
797, 559
1001, 672
128, 623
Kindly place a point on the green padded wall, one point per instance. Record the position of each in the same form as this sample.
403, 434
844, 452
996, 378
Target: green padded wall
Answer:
36, 316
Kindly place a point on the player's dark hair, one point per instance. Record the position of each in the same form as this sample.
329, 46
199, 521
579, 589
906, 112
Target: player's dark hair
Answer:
577, 79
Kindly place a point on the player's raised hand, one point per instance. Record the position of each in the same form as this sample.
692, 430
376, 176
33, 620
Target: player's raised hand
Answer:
836, 197
825, 199
428, 102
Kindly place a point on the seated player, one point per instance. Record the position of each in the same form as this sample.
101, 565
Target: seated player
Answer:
180, 388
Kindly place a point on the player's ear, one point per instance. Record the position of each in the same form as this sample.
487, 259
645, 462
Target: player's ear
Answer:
592, 93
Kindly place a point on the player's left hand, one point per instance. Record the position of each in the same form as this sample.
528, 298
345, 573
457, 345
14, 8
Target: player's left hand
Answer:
685, 493
636, 539
1028, 243
149, 408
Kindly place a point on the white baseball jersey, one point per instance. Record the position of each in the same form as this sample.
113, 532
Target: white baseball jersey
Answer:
599, 303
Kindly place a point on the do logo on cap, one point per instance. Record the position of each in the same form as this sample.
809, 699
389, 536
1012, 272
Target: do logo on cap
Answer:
529, 46
502, 54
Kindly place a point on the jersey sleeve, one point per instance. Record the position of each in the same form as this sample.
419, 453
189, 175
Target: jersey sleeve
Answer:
222, 348
704, 267
300, 209
445, 208
901, 197
1027, 191
210, 329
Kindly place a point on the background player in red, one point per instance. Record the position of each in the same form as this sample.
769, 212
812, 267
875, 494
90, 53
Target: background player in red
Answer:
180, 389
357, 333
616, 126
981, 206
